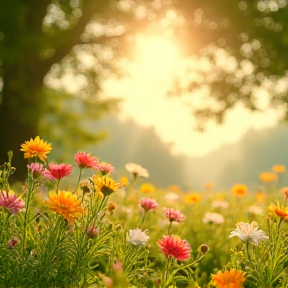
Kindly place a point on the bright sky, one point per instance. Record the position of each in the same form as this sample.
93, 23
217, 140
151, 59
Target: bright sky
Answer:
146, 103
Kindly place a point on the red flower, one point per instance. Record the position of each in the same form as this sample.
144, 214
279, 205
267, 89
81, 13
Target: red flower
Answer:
173, 215
57, 171
172, 245
85, 160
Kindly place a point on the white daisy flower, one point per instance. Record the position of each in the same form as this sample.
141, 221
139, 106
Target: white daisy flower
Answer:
249, 233
220, 204
137, 170
138, 237
256, 210
215, 218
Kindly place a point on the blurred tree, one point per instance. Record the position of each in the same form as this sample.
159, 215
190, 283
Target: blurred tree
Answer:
239, 57
55, 54
35, 35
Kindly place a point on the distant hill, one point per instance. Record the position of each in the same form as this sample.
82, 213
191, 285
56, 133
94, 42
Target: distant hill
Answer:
128, 142
242, 162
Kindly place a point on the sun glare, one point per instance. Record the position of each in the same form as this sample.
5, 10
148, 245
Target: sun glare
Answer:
158, 55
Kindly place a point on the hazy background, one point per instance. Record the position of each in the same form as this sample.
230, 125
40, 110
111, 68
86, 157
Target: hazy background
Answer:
242, 161
193, 91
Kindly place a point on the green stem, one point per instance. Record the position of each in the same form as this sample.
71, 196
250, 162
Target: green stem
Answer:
248, 254
57, 186
78, 181
169, 228
166, 271
30, 190
169, 279
143, 219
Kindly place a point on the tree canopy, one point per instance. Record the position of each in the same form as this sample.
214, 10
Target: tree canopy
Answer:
230, 49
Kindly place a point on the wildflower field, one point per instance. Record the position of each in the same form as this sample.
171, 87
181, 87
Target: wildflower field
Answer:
106, 232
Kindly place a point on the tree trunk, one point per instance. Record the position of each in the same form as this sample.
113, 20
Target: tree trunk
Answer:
20, 112
22, 100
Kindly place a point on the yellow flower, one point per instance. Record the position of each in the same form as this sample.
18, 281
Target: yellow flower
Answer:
192, 198
124, 181
268, 177
229, 279
279, 168
147, 188
66, 204
104, 184
36, 148
239, 190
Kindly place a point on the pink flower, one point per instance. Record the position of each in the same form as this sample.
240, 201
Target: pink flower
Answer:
11, 201
36, 169
172, 245
85, 160
173, 215
148, 204
105, 168
57, 171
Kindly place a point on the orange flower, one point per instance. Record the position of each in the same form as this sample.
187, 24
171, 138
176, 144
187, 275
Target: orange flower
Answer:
174, 188
279, 168
36, 148
279, 210
147, 188
209, 185
268, 177
65, 204
192, 198
239, 190
111, 207
260, 196
229, 279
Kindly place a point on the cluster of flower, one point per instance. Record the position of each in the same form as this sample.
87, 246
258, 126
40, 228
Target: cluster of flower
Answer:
72, 205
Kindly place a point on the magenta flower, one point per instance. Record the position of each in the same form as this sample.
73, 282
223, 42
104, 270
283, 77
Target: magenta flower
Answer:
174, 246
105, 168
85, 160
11, 201
36, 169
173, 215
148, 204
57, 171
